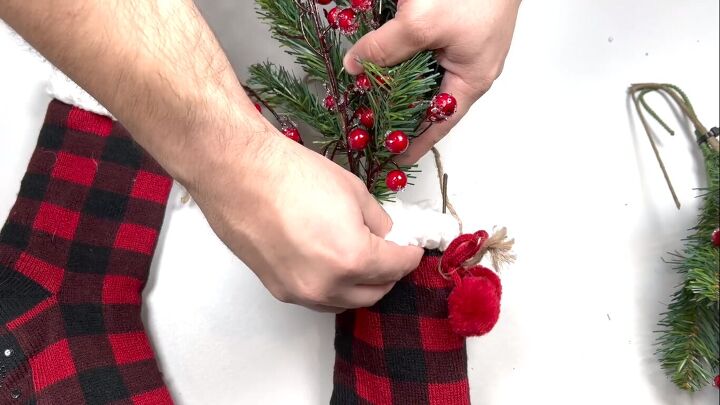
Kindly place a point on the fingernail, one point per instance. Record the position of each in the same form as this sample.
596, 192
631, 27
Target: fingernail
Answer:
352, 64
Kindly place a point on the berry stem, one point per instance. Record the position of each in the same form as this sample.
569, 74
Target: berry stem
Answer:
260, 100
332, 77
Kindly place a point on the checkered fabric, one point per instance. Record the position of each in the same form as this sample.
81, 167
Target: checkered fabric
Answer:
402, 351
74, 258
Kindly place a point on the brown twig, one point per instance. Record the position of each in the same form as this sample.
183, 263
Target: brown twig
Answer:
257, 97
341, 108
648, 131
687, 110
442, 178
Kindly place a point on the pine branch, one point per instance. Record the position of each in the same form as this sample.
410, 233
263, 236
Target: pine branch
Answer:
332, 75
399, 97
285, 92
688, 341
295, 30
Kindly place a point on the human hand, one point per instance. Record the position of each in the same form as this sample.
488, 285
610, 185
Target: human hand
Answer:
308, 228
471, 37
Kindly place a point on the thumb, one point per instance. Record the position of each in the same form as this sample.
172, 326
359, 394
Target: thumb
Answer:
389, 45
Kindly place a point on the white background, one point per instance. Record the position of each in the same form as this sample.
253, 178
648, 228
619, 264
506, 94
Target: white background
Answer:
552, 152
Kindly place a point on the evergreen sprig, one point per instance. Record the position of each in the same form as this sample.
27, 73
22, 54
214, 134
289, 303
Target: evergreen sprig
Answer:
287, 93
399, 97
690, 329
295, 31
688, 342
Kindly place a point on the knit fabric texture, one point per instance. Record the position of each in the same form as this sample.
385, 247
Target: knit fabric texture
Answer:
74, 258
402, 350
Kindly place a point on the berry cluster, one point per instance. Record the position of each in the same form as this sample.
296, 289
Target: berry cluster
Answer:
345, 20
441, 107
362, 132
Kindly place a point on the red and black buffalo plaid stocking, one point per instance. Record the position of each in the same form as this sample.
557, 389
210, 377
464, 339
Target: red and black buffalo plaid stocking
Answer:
74, 258
402, 351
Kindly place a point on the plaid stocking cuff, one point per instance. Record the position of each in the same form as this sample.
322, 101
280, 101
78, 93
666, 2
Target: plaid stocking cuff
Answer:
402, 350
74, 259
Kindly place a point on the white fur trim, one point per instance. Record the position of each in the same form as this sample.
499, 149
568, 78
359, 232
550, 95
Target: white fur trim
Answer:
60, 86
420, 225
65, 90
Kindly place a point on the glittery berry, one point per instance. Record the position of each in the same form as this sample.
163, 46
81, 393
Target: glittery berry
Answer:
292, 133
347, 21
258, 107
442, 107
366, 116
396, 180
332, 17
381, 80
361, 5
362, 82
330, 103
358, 139
324, 2
397, 142
716, 238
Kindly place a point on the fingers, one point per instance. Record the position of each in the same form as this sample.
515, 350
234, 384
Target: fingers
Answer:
327, 309
389, 262
389, 45
362, 296
465, 96
374, 216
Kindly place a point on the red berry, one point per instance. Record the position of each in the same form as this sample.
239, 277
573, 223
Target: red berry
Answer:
717, 380
396, 180
329, 102
366, 116
292, 133
442, 107
381, 80
258, 107
347, 21
716, 237
361, 5
324, 2
358, 139
363, 83
397, 142
332, 17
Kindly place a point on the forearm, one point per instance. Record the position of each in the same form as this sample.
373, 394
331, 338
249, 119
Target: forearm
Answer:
154, 64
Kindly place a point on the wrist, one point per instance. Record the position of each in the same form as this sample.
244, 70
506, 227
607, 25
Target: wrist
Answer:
212, 148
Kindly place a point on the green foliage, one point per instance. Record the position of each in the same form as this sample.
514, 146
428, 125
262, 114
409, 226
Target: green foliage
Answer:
688, 344
298, 35
399, 101
285, 92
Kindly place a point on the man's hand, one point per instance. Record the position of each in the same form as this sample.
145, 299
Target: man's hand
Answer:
307, 228
471, 37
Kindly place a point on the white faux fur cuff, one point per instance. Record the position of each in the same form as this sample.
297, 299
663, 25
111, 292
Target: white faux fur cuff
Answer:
60, 86
65, 90
417, 224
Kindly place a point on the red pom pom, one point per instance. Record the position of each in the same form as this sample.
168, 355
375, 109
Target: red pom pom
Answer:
474, 304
